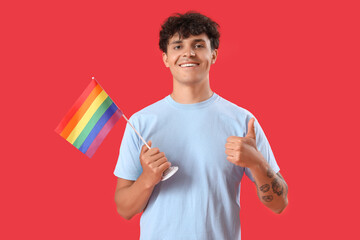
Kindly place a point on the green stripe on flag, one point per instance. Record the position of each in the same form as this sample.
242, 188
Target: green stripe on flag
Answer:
94, 119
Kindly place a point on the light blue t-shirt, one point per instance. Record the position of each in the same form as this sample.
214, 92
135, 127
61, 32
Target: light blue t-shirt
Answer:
202, 199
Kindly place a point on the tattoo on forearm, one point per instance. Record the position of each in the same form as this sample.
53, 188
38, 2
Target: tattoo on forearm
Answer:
268, 198
264, 188
270, 173
277, 187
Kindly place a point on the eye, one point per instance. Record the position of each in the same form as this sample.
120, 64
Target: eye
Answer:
199, 46
177, 47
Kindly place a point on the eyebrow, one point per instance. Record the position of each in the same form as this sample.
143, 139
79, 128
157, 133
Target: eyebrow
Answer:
195, 40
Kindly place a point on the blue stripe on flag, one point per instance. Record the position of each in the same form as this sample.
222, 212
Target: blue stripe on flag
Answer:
98, 126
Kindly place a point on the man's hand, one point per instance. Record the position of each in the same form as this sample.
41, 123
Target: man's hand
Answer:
242, 151
154, 163
272, 188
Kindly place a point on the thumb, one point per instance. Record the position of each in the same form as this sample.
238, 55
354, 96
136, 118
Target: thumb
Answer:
251, 129
149, 143
144, 148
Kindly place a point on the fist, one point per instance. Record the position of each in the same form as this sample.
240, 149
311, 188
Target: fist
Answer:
242, 151
154, 163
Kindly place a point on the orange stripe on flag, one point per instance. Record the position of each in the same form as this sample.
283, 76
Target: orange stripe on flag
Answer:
80, 113
75, 107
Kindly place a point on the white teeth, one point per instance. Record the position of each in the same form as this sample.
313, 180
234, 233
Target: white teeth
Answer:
188, 65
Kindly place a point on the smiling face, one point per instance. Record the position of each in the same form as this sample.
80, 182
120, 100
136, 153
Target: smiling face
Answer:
189, 59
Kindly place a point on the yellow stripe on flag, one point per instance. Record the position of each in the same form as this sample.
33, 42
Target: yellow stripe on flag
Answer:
87, 116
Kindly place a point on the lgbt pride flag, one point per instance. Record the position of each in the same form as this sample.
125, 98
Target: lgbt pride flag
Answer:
89, 120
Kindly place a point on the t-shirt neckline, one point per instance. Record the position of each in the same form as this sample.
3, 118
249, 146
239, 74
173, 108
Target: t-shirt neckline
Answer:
198, 105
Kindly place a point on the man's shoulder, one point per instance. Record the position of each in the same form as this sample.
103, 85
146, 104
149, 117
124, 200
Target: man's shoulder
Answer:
231, 108
152, 109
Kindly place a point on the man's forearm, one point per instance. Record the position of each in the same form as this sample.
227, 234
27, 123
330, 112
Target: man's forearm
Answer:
271, 188
131, 200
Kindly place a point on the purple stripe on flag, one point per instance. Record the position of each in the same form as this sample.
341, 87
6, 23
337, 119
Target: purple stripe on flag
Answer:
102, 134
97, 128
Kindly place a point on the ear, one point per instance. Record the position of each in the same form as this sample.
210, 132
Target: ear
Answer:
165, 59
214, 55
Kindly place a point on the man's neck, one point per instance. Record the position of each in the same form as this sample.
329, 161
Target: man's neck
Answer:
192, 93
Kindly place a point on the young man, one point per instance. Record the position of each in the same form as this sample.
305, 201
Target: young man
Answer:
212, 141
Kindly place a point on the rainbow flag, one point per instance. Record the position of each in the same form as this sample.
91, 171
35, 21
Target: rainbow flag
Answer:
89, 120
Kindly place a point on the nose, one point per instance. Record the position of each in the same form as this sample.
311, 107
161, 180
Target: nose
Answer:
189, 52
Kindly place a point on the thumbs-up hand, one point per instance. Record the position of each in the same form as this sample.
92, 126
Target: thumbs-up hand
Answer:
242, 151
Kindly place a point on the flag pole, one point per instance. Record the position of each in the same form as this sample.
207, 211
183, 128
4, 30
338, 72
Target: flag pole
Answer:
136, 131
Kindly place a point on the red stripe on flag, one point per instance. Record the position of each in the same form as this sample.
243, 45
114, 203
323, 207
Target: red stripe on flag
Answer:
81, 112
102, 134
75, 107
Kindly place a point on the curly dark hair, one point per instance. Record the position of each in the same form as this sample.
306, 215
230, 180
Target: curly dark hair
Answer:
190, 23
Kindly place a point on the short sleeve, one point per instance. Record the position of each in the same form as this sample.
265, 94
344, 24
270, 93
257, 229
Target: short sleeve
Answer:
264, 147
128, 165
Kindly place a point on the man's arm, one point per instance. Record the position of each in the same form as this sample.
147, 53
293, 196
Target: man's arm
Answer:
131, 197
272, 188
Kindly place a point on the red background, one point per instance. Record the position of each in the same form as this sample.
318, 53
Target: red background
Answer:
294, 64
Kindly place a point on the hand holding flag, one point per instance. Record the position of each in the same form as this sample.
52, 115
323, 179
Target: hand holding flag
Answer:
153, 163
